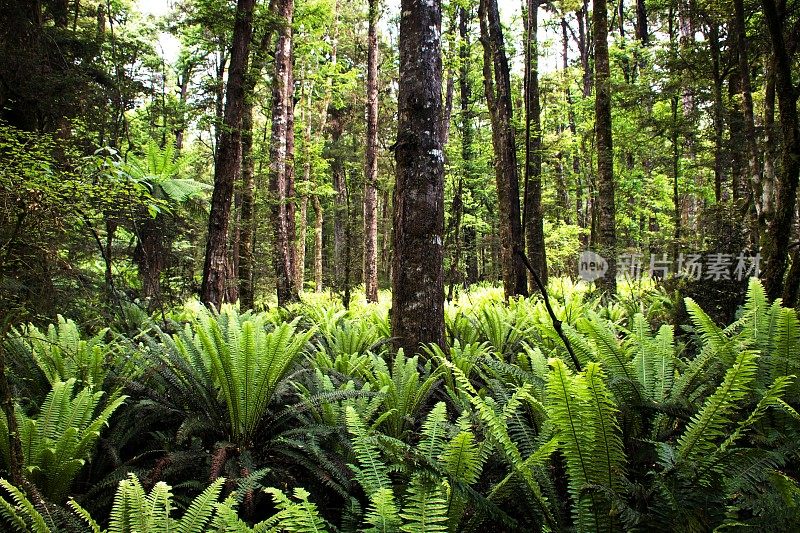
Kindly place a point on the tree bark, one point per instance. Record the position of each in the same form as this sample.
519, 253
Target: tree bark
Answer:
318, 221
607, 234
228, 164
340, 198
246, 293
642, 32
497, 85
533, 217
754, 164
279, 144
776, 243
417, 276
719, 106
467, 146
371, 170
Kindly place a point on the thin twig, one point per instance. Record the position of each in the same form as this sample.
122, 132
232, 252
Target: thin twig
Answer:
553, 317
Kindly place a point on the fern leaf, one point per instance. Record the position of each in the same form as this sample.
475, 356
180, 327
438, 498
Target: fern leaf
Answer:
201, 508
708, 425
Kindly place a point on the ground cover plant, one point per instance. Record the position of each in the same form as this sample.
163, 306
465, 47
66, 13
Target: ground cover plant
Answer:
306, 419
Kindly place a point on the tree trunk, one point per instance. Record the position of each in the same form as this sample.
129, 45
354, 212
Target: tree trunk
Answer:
754, 164
247, 218
607, 234
417, 276
770, 150
371, 171
281, 102
228, 164
340, 198
497, 85
719, 124
300, 253
291, 192
467, 147
246, 295
641, 22
318, 221
776, 243
736, 141
533, 218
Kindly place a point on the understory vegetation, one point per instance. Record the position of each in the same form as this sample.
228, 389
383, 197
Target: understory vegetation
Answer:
305, 419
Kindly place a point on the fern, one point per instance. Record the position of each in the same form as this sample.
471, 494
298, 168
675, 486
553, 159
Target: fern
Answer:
433, 432
709, 424
382, 514
371, 472
21, 513
583, 411
58, 442
293, 517
231, 355
426, 507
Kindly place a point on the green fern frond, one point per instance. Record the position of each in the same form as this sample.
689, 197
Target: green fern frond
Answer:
700, 438
382, 513
434, 432
371, 472
426, 507
462, 459
23, 511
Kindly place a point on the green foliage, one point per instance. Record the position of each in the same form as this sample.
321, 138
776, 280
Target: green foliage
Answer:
61, 353
232, 357
584, 413
664, 427
57, 443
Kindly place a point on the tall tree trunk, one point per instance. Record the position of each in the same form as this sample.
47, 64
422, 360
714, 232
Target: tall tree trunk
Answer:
719, 108
417, 274
467, 144
607, 234
754, 164
533, 217
300, 250
228, 164
291, 192
776, 243
467, 157
580, 213
340, 197
247, 218
736, 141
497, 85
318, 221
246, 294
371, 170
281, 102
642, 32
770, 150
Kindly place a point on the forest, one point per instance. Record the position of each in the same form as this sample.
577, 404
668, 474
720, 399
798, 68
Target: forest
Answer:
399, 266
